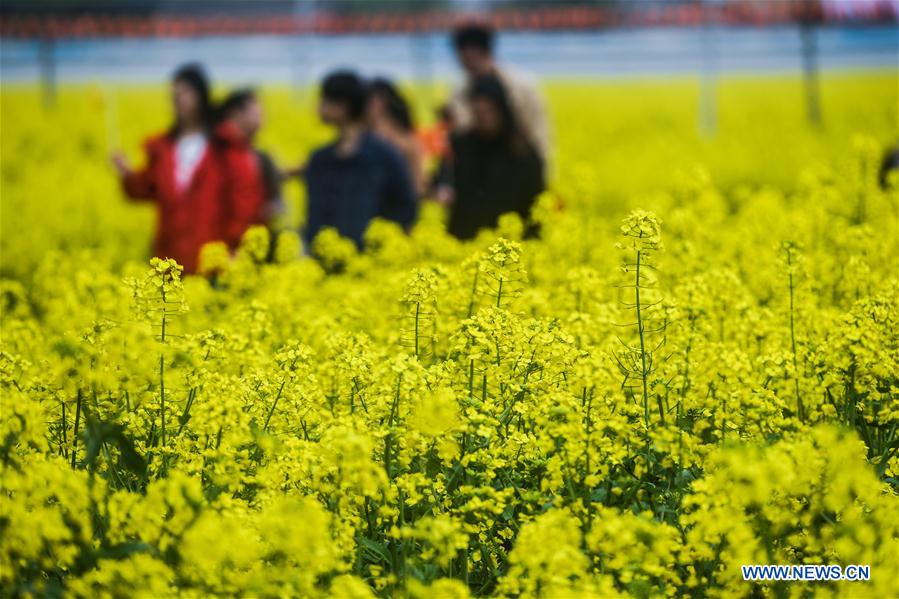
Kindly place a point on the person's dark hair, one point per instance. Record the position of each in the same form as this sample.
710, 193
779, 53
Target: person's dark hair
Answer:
347, 88
236, 100
397, 106
474, 35
490, 88
194, 75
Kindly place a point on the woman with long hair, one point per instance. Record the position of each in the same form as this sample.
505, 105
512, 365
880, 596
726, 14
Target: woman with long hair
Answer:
182, 175
388, 116
494, 168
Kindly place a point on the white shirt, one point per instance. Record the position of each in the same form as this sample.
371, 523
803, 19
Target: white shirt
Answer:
189, 150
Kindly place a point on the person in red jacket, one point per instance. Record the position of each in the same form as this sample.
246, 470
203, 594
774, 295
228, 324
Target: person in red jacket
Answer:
183, 174
244, 201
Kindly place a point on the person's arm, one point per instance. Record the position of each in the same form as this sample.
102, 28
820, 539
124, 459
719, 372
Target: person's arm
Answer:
138, 184
443, 183
273, 205
298, 172
529, 112
417, 162
460, 109
315, 205
537, 119
400, 203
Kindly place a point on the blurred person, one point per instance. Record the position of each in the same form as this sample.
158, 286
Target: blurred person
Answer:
387, 114
494, 167
246, 199
474, 46
435, 140
889, 164
274, 207
182, 174
436, 143
358, 176
273, 178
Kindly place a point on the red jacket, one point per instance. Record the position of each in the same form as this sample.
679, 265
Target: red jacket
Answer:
244, 194
188, 218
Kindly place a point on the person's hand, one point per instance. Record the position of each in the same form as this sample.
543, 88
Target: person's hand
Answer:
120, 163
290, 173
272, 209
444, 195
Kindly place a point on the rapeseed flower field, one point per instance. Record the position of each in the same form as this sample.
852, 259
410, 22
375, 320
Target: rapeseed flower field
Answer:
695, 367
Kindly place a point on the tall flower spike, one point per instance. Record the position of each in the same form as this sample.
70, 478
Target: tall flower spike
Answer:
642, 233
504, 275
793, 263
159, 296
419, 309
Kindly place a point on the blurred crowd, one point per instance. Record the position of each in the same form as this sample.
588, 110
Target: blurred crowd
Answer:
485, 156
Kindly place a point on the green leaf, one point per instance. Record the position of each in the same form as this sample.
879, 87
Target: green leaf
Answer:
378, 550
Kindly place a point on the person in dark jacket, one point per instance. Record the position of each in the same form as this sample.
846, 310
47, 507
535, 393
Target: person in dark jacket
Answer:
359, 176
494, 168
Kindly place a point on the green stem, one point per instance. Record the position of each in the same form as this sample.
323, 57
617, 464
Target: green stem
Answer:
799, 408
274, 404
192, 394
402, 523
474, 291
417, 313
162, 373
65, 425
643, 372
77, 422
388, 441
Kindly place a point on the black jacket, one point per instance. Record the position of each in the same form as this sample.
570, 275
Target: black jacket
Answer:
348, 192
491, 178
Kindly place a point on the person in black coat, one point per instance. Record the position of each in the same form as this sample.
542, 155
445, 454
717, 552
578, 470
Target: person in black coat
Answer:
494, 169
358, 176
